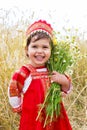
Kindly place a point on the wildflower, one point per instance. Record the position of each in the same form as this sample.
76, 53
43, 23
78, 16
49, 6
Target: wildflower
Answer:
64, 61
54, 41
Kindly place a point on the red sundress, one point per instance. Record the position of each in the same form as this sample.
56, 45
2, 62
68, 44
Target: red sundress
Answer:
32, 97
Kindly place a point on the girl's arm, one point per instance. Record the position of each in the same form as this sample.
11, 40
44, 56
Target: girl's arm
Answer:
63, 80
14, 94
15, 89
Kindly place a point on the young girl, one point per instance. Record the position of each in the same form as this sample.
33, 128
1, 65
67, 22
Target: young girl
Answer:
29, 84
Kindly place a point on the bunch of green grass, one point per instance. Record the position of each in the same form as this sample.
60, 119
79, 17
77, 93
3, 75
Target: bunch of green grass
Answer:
61, 59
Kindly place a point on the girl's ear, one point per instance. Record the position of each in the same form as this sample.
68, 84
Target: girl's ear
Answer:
26, 51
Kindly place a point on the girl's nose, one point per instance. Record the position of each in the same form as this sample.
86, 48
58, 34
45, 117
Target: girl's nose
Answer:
39, 50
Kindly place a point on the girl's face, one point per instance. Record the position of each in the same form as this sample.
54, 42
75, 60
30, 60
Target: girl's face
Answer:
39, 52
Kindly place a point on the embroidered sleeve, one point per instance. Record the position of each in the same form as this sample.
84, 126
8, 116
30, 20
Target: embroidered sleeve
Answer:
70, 85
15, 89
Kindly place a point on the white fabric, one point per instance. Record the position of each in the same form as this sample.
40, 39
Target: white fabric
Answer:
15, 101
27, 83
41, 70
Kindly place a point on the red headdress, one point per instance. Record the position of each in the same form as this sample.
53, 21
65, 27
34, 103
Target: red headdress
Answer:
40, 26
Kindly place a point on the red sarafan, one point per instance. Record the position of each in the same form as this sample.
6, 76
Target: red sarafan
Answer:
35, 96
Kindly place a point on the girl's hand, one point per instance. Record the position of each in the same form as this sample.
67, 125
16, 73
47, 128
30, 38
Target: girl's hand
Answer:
62, 80
57, 77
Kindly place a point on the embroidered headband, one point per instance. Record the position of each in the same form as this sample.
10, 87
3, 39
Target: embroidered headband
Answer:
40, 26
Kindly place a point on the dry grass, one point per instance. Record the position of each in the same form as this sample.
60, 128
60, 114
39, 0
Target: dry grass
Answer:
76, 101
12, 56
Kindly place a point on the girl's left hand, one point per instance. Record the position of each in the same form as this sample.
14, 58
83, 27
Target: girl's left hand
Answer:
62, 80
56, 77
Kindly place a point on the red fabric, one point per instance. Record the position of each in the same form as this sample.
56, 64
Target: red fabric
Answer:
17, 82
34, 96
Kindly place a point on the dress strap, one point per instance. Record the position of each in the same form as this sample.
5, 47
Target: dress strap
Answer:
30, 68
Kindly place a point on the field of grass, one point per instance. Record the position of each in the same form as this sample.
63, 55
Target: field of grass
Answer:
12, 56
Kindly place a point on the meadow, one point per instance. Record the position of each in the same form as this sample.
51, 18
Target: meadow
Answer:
12, 56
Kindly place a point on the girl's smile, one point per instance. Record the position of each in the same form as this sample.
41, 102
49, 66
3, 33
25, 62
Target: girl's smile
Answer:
39, 52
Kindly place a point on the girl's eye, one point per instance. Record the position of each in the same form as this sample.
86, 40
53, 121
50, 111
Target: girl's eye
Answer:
34, 46
45, 46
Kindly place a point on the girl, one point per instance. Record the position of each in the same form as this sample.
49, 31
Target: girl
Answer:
29, 84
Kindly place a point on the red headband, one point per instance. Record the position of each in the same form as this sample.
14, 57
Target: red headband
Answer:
40, 26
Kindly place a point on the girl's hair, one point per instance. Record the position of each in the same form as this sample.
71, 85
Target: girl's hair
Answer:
37, 36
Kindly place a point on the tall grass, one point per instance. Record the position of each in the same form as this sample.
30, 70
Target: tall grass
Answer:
76, 101
12, 56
